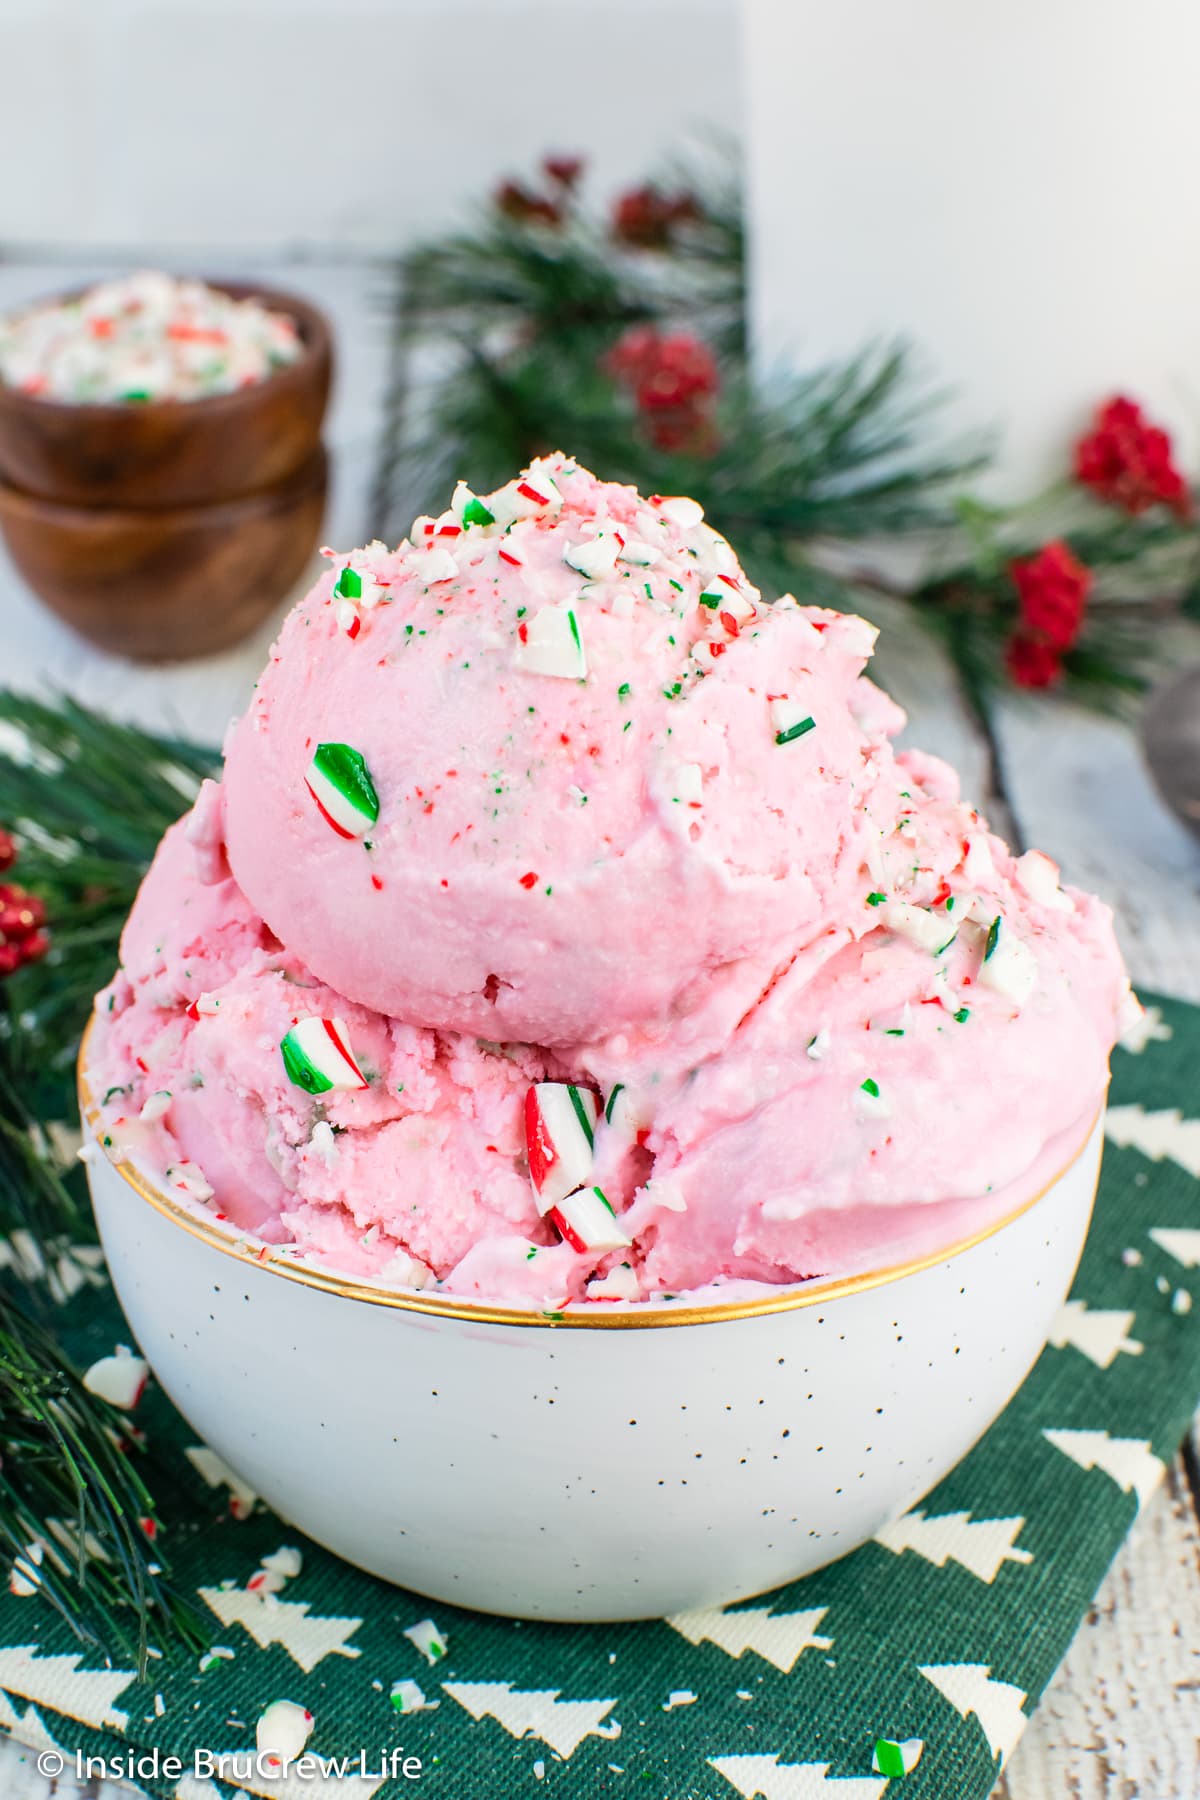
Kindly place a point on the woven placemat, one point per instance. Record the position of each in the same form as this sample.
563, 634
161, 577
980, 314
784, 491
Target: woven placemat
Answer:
939, 1637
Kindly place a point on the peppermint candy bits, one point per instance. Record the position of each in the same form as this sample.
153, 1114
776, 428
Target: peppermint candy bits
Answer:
1009, 967
551, 643
560, 1131
120, 1379
318, 1058
282, 1732
587, 1222
340, 782
789, 721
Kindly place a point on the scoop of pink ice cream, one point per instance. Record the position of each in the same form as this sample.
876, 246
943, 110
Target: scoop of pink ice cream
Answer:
577, 768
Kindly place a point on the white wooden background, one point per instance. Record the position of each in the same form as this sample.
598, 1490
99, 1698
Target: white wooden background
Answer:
1122, 1719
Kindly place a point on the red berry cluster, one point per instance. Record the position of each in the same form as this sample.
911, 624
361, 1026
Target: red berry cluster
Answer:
22, 916
647, 219
527, 206
673, 378
1128, 462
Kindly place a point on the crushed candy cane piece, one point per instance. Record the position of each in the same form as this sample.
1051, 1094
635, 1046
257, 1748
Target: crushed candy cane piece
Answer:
287, 1561
433, 566
188, 1179
1009, 966
596, 558
156, 1107
818, 1046
679, 1697
688, 784
679, 510
340, 782
551, 643
896, 1759
425, 1637
120, 1378
282, 1731
1038, 875
870, 1102
789, 721
409, 1697
318, 1057
560, 1129
620, 1283
586, 1221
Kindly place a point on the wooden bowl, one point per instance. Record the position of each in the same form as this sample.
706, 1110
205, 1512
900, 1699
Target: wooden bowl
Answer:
173, 453
174, 581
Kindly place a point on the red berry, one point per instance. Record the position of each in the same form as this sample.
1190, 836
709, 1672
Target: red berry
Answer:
8, 851
34, 948
10, 959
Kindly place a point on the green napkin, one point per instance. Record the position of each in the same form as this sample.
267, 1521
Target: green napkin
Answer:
939, 1637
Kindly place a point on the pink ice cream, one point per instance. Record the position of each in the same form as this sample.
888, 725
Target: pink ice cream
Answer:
571, 719
810, 1023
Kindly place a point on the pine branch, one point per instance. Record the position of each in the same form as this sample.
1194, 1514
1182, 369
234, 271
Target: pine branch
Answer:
69, 1458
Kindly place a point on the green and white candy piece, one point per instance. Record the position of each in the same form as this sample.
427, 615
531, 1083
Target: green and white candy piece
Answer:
918, 924
339, 781
895, 1759
1038, 875
788, 720
358, 586
595, 558
553, 645
679, 510
156, 1107
869, 1102
469, 509
587, 1222
318, 1058
817, 1047
1009, 966
409, 1697
626, 1115
425, 1637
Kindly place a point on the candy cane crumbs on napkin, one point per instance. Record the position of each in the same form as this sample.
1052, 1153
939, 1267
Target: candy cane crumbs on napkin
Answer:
340, 782
896, 1759
120, 1379
1009, 967
409, 1697
788, 721
425, 1637
560, 1132
282, 1732
211, 1657
24, 1578
317, 1056
287, 1561
551, 643
586, 1221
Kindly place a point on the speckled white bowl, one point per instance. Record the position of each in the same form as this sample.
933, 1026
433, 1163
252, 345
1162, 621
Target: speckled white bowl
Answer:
612, 1463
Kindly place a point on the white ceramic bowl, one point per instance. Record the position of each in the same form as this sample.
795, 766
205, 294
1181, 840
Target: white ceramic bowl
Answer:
620, 1463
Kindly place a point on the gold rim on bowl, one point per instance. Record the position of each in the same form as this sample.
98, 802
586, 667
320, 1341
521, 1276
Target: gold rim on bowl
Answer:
639, 1315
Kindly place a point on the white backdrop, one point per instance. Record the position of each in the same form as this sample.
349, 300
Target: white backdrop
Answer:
257, 122
1009, 184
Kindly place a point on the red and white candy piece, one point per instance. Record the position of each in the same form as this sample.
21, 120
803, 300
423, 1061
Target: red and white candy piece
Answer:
282, 1732
560, 1131
120, 1378
1038, 875
187, 1178
318, 1057
586, 1221
204, 1006
551, 643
